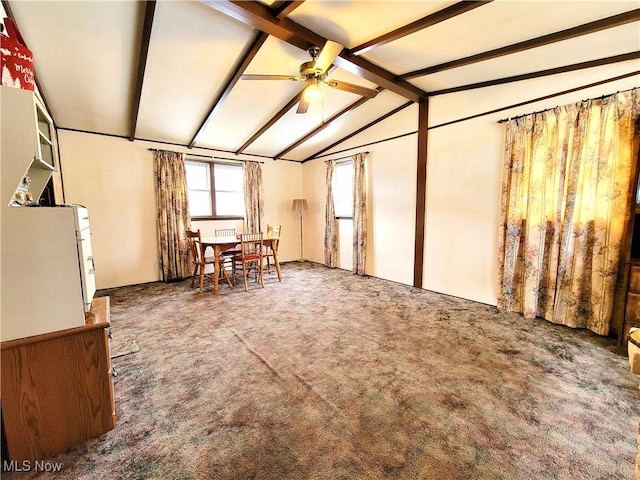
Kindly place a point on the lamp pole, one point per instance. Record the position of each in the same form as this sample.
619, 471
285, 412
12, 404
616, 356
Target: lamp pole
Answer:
301, 259
300, 205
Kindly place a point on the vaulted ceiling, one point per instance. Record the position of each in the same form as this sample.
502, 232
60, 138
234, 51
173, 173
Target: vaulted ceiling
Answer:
171, 71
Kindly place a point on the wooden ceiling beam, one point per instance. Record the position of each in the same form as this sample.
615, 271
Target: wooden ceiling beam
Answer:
584, 29
421, 193
244, 62
326, 124
360, 130
437, 17
262, 17
625, 57
149, 11
284, 8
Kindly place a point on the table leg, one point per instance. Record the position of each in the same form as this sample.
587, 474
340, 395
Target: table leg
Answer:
274, 247
216, 268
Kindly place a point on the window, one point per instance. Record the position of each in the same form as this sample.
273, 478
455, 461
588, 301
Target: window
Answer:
215, 189
343, 189
199, 189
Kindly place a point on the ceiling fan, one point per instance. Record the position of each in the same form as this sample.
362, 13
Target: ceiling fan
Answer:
314, 73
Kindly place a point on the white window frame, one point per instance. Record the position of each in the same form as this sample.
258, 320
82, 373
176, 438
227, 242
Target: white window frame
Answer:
211, 189
343, 189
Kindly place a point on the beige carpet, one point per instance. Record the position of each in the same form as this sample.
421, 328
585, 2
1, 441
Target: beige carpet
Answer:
331, 376
124, 346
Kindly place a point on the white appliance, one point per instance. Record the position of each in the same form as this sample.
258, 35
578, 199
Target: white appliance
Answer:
48, 276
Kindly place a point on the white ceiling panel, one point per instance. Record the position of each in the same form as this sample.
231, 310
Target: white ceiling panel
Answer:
191, 52
84, 53
353, 23
293, 126
459, 105
246, 112
277, 57
375, 108
494, 25
402, 123
246, 105
87, 52
243, 99
615, 41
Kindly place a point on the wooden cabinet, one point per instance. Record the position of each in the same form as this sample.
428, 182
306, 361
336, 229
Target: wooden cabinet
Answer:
57, 388
631, 316
29, 148
45, 285
632, 307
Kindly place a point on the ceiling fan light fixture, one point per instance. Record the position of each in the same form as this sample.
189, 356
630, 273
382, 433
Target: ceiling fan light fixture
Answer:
313, 94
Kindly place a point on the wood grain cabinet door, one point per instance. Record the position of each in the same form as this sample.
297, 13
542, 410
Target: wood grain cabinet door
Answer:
632, 315
634, 279
56, 393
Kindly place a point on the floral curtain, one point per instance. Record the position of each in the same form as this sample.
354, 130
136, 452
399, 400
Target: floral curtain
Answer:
253, 197
565, 205
172, 214
359, 214
331, 224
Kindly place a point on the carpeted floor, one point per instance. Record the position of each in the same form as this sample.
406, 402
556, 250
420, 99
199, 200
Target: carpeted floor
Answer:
331, 376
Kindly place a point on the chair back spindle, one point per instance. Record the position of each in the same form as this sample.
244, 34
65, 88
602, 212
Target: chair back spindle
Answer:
225, 232
250, 256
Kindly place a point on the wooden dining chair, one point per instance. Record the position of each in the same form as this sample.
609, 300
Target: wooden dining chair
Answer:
199, 260
227, 255
272, 231
250, 257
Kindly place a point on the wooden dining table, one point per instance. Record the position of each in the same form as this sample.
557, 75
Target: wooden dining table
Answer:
220, 244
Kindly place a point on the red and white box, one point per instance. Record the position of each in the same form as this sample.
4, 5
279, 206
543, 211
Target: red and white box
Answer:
17, 59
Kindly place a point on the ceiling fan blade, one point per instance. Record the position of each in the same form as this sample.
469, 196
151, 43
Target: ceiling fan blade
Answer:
327, 55
351, 88
303, 106
271, 77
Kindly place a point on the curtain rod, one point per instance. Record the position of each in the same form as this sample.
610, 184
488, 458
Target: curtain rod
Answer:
342, 158
213, 157
551, 108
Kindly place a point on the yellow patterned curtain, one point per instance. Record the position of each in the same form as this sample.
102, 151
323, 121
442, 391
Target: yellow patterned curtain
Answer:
331, 225
565, 206
253, 197
359, 214
172, 214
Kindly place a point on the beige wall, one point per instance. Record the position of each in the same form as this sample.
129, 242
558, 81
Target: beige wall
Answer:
462, 205
391, 179
463, 185
113, 178
465, 173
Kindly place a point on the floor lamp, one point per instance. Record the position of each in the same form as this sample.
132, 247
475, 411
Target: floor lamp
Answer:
300, 205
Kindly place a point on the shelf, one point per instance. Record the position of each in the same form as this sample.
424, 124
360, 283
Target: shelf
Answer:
30, 148
43, 138
39, 163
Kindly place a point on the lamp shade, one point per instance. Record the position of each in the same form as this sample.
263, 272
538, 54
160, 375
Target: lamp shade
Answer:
312, 93
299, 205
